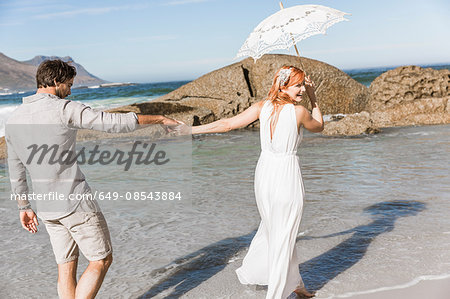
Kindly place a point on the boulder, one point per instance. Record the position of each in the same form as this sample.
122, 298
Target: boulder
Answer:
405, 96
232, 89
336, 91
188, 114
406, 85
428, 111
351, 125
3, 149
224, 92
410, 95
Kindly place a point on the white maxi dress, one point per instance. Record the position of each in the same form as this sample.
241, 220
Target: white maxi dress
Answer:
272, 258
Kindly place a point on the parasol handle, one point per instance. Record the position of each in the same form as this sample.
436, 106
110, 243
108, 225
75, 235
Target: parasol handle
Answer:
295, 46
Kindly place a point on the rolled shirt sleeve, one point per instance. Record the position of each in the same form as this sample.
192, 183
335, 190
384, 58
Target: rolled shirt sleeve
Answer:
17, 175
79, 116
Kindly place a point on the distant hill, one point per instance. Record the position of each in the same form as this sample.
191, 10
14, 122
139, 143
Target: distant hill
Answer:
16, 75
20, 75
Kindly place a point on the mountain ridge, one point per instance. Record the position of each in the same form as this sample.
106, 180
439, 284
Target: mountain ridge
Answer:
18, 76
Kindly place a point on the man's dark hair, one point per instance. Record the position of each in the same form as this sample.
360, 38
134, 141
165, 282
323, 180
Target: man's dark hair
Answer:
57, 70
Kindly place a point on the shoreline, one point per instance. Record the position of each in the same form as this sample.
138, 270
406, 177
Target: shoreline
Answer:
431, 287
225, 284
89, 135
347, 243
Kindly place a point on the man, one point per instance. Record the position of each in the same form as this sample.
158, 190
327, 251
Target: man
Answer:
47, 118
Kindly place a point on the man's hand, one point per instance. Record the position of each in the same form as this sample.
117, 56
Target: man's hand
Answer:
170, 121
29, 220
175, 126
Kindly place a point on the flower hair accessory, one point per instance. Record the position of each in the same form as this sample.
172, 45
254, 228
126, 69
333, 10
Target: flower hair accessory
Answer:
284, 74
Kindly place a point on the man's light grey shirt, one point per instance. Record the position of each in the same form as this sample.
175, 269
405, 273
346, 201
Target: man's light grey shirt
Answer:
45, 119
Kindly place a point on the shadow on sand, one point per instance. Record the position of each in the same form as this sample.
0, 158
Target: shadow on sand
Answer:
318, 271
186, 273
189, 271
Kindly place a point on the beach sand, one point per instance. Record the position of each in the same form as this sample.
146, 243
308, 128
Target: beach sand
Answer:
225, 284
425, 289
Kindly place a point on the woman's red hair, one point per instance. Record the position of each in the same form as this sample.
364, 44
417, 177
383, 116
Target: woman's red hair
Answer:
276, 94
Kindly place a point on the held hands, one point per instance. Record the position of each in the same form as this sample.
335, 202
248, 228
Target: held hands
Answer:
176, 126
169, 121
169, 124
182, 129
29, 220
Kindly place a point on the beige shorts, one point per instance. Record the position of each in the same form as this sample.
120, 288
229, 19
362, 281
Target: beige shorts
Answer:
85, 229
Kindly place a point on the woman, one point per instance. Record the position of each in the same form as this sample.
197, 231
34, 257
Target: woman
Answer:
271, 259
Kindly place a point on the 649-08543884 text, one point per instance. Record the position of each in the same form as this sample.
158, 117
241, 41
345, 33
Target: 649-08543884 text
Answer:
142, 195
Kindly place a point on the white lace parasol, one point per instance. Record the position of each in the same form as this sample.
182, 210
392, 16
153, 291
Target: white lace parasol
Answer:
287, 27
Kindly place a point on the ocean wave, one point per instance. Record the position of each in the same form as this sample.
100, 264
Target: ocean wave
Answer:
5, 112
396, 287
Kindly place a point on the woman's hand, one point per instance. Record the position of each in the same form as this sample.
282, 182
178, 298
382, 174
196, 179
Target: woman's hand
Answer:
310, 89
311, 121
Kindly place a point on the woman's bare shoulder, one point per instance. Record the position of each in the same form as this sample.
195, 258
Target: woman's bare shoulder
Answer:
300, 110
260, 104
300, 113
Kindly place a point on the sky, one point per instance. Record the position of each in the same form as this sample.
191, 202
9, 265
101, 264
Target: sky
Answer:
157, 41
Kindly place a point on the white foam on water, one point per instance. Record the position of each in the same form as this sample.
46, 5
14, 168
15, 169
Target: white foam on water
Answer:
345, 177
396, 287
109, 103
328, 117
101, 104
5, 112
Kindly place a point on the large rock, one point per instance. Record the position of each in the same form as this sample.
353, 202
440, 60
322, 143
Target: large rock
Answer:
336, 91
428, 111
193, 115
225, 92
406, 85
351, 125
230, 90
405, 96
410, 95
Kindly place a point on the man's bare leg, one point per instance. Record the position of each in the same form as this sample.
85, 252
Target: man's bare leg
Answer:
92, 278
67, 279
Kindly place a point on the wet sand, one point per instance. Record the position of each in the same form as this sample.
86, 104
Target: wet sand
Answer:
226, 285
430, 289
397, 231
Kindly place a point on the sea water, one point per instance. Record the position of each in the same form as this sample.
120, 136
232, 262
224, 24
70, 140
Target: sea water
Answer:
97, 97
375, 215
115, 96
